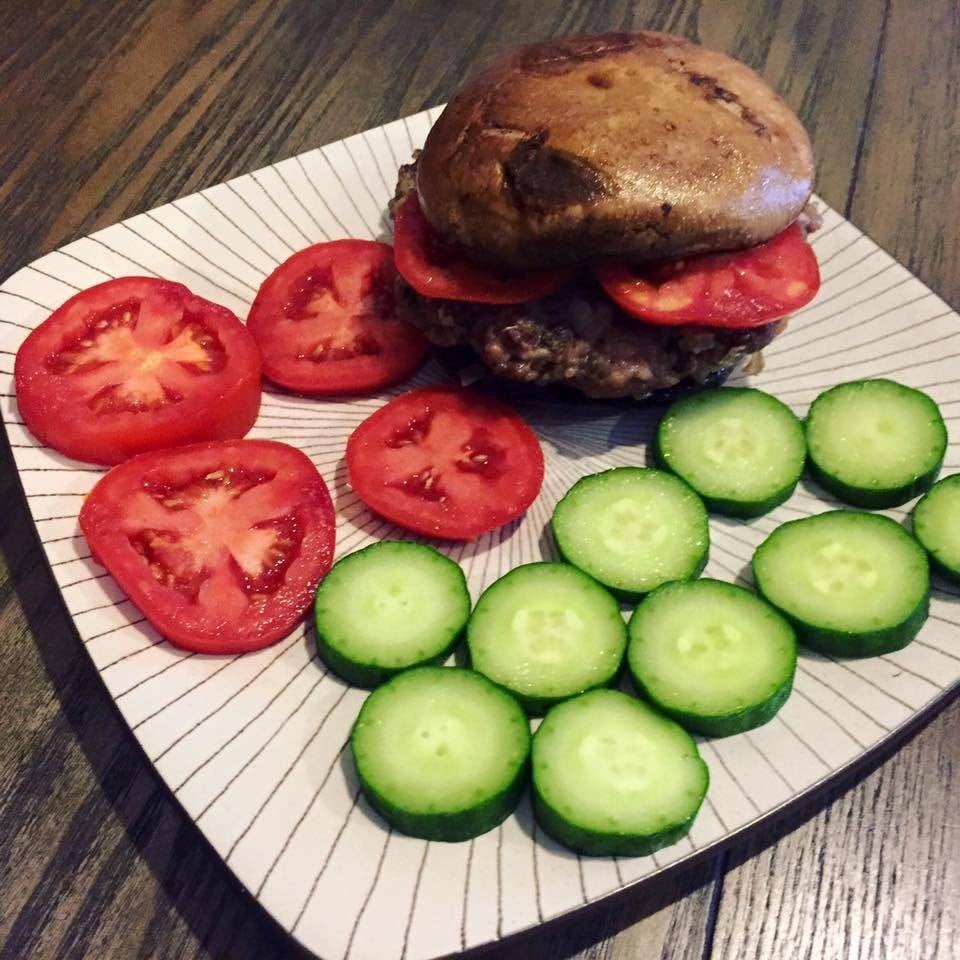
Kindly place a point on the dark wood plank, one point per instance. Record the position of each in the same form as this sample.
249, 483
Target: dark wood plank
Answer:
875, 874
631, 927
111, 108
906, 194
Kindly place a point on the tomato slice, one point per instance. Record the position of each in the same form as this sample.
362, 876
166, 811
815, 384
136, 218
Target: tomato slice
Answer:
436, 270
326, 321
137, 364
746, 288
445, 462
220, 545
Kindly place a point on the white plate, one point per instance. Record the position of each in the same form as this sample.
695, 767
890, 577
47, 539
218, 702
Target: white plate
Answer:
252, 746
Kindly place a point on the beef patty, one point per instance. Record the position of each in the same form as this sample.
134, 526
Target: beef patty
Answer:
578, 338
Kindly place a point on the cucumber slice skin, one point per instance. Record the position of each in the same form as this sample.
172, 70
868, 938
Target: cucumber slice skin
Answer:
726, 506
452, 826
582, 839
620, 592
725, 724
370, 677
741, 509
948, 570
857, 645
367, 674
537, 706
941, 569
846, 643
633, 596
873, 498
585, 841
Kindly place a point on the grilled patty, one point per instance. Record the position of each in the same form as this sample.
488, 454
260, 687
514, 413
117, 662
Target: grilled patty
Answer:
580, 339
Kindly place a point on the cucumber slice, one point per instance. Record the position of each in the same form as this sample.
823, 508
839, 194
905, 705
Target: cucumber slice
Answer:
936, 524
875, 443
852, 584
741, 449
611, 776
546, 632
715, 657
632, 528
441, 752
390, 606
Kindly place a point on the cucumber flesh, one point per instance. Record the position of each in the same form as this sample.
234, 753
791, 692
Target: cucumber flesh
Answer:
546, 632
936, 524
441, 752
611, 776
632, 529
851, 583
741, 449
875, 443
713, 656
390, 606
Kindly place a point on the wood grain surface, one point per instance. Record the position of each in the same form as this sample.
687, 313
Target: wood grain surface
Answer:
111, 108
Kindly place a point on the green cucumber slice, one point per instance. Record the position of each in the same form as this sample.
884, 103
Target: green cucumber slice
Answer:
852, 584
390, 606
741, 449
546, 632
632, 529
936, 524
714, 657
875, 443
611, 776
441, 752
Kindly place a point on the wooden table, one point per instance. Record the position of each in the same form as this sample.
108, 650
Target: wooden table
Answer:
108, 109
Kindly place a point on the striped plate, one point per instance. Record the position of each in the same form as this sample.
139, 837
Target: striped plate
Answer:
253, 746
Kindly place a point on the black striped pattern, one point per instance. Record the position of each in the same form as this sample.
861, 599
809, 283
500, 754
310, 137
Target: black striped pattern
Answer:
254, 747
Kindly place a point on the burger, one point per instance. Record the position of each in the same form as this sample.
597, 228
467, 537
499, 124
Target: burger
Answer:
621, 214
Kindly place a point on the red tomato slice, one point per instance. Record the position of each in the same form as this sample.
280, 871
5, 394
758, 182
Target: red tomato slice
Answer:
746, 288
220, 545
137, 364
445, 462
437, 271
326, 321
